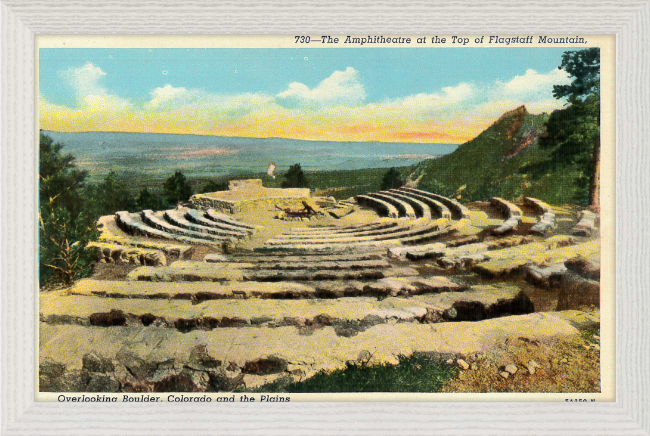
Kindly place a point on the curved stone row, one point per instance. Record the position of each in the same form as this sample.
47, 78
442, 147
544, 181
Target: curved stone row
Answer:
135, 226
586, 224
538, 205
196, 217
422, 210
111, 233
401, 232
178, 220
381, 206
337, 236
423, 234
150, 218
346, 229
434, 205
404, 208
114, 253
221, 218
512, 212
458, 211
547, 217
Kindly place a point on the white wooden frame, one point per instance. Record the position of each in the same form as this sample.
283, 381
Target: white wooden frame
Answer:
629, 20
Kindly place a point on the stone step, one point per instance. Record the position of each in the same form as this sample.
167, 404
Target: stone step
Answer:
382, 207
194, 272
150, 358
537, 204
175, 218
474, 305
338, 236
578, 292
190, 271
404, 208
111, 233
343, 257
200, 291
115, 253
346, 229
458, 211
307, 275
545, 223
322, 265
587, 268
586, 224
508, 209
134, 225
341, 211
510, 260
221, 218
421, 209
418, 228
436, 208
545, 277
198, 218
151, 219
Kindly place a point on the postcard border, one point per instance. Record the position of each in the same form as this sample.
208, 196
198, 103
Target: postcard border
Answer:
21, 20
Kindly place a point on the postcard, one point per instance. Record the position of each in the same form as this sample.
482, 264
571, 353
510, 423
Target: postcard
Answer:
325, 217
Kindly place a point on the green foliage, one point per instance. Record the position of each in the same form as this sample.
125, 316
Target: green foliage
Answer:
65, 224
295, 177
148, 200
109, 196
391, 180
573, 133
412, 374
584, 67
177, 189
214, 186
489, 164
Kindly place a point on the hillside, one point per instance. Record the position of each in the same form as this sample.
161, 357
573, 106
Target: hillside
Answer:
494, 164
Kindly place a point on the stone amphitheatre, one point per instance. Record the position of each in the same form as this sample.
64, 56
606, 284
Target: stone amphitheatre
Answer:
253, 285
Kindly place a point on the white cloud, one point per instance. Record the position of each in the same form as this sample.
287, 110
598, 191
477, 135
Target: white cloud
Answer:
166, 95
85, 80
533, 83
340, 88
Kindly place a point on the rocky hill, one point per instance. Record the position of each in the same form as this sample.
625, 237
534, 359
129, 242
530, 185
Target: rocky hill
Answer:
495, 164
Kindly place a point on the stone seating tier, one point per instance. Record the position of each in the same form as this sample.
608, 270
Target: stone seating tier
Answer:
435, 207
457, 210
176, 218
135, 226
150, 218
422, 210
404, 208
380, 206
198, 218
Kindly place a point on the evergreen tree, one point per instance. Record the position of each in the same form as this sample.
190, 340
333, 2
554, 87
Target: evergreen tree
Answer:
148, 200
65, 226
391, 180
177, 189
110, 196
295, 178
572, 134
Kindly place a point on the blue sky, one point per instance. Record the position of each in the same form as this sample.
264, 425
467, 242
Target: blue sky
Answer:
77, 86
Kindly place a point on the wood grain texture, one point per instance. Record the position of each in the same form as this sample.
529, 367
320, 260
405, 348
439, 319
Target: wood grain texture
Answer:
20, 20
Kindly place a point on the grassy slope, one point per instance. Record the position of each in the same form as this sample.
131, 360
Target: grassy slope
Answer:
482, 166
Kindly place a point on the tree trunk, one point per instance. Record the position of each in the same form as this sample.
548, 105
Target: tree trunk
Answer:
594, 180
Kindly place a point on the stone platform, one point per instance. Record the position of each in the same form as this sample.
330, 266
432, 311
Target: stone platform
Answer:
249, 195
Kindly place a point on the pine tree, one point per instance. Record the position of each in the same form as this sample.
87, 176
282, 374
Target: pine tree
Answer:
391, 180
295, 177
65, 225
177, 189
